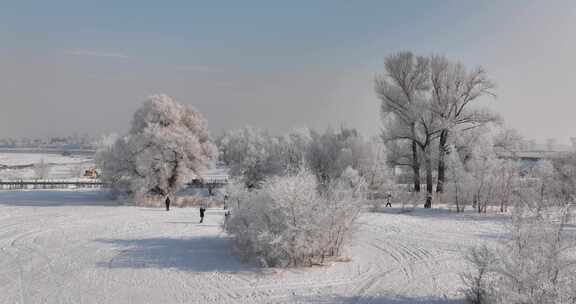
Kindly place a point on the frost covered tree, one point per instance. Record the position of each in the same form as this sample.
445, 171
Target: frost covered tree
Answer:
565, 168
41, 170
508, 140
373, 166
425, 99
251, 154
330, 153
254, 155
459, 182
293, 148
167, 145
105, 141
482, 166
475, 174
402, 89
505, 183
454, 92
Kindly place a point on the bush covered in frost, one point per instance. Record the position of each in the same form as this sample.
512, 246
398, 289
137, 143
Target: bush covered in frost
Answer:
537, 263
288, 222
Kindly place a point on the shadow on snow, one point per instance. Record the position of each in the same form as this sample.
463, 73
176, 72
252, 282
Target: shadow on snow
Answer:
378, 300
202, 254
56, 198
441, 213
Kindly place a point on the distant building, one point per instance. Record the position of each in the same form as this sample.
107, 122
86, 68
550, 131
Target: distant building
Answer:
531, 153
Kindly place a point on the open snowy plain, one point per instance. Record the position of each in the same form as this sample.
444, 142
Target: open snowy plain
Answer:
19, 165
81, 247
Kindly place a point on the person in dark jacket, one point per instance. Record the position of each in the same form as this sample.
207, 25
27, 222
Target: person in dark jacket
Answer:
202, 210
167, 202
388, 198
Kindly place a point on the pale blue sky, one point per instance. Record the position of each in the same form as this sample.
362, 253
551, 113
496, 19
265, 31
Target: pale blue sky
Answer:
85, 66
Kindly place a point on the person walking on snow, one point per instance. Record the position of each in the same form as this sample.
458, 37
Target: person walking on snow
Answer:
167, 202
202, 210
388, 197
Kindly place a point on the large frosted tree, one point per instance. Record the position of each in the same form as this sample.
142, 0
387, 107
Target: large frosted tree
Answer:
407, 111
167, 145
455, 90
251, 154
425, 98
402, 89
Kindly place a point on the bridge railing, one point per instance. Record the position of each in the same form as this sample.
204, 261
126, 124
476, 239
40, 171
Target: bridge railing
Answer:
23, 184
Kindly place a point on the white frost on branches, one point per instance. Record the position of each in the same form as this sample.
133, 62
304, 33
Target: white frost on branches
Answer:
41, 170
288, 222
537, 263
168, 144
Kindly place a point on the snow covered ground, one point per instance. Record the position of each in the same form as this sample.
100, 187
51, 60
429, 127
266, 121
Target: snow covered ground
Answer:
80, 247
61, 167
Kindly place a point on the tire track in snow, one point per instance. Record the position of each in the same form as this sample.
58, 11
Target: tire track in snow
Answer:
391, 255
413, 262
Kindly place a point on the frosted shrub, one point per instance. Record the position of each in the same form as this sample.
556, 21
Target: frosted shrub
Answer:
342, 206
459, 183
480, 282
537, 264
289, 223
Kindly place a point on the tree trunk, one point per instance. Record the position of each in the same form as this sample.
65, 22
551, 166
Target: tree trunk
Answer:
442, 161
429, 181
457, 198
415, 167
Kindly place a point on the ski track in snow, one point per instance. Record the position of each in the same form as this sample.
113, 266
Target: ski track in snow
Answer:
93, 251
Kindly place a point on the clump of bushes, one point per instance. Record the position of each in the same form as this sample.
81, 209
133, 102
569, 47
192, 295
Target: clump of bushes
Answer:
292, 221
536, 265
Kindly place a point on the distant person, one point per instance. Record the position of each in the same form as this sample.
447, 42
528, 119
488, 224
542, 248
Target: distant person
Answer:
167, 202
202, 210
388, 198
227, 214
225, 201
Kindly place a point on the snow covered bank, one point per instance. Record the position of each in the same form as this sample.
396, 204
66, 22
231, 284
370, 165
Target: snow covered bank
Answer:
79, 247
19, 165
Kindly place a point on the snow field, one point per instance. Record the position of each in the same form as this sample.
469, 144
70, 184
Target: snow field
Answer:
61, 167
80, 247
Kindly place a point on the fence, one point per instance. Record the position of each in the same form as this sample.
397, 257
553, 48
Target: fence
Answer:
21, 184
49, 184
